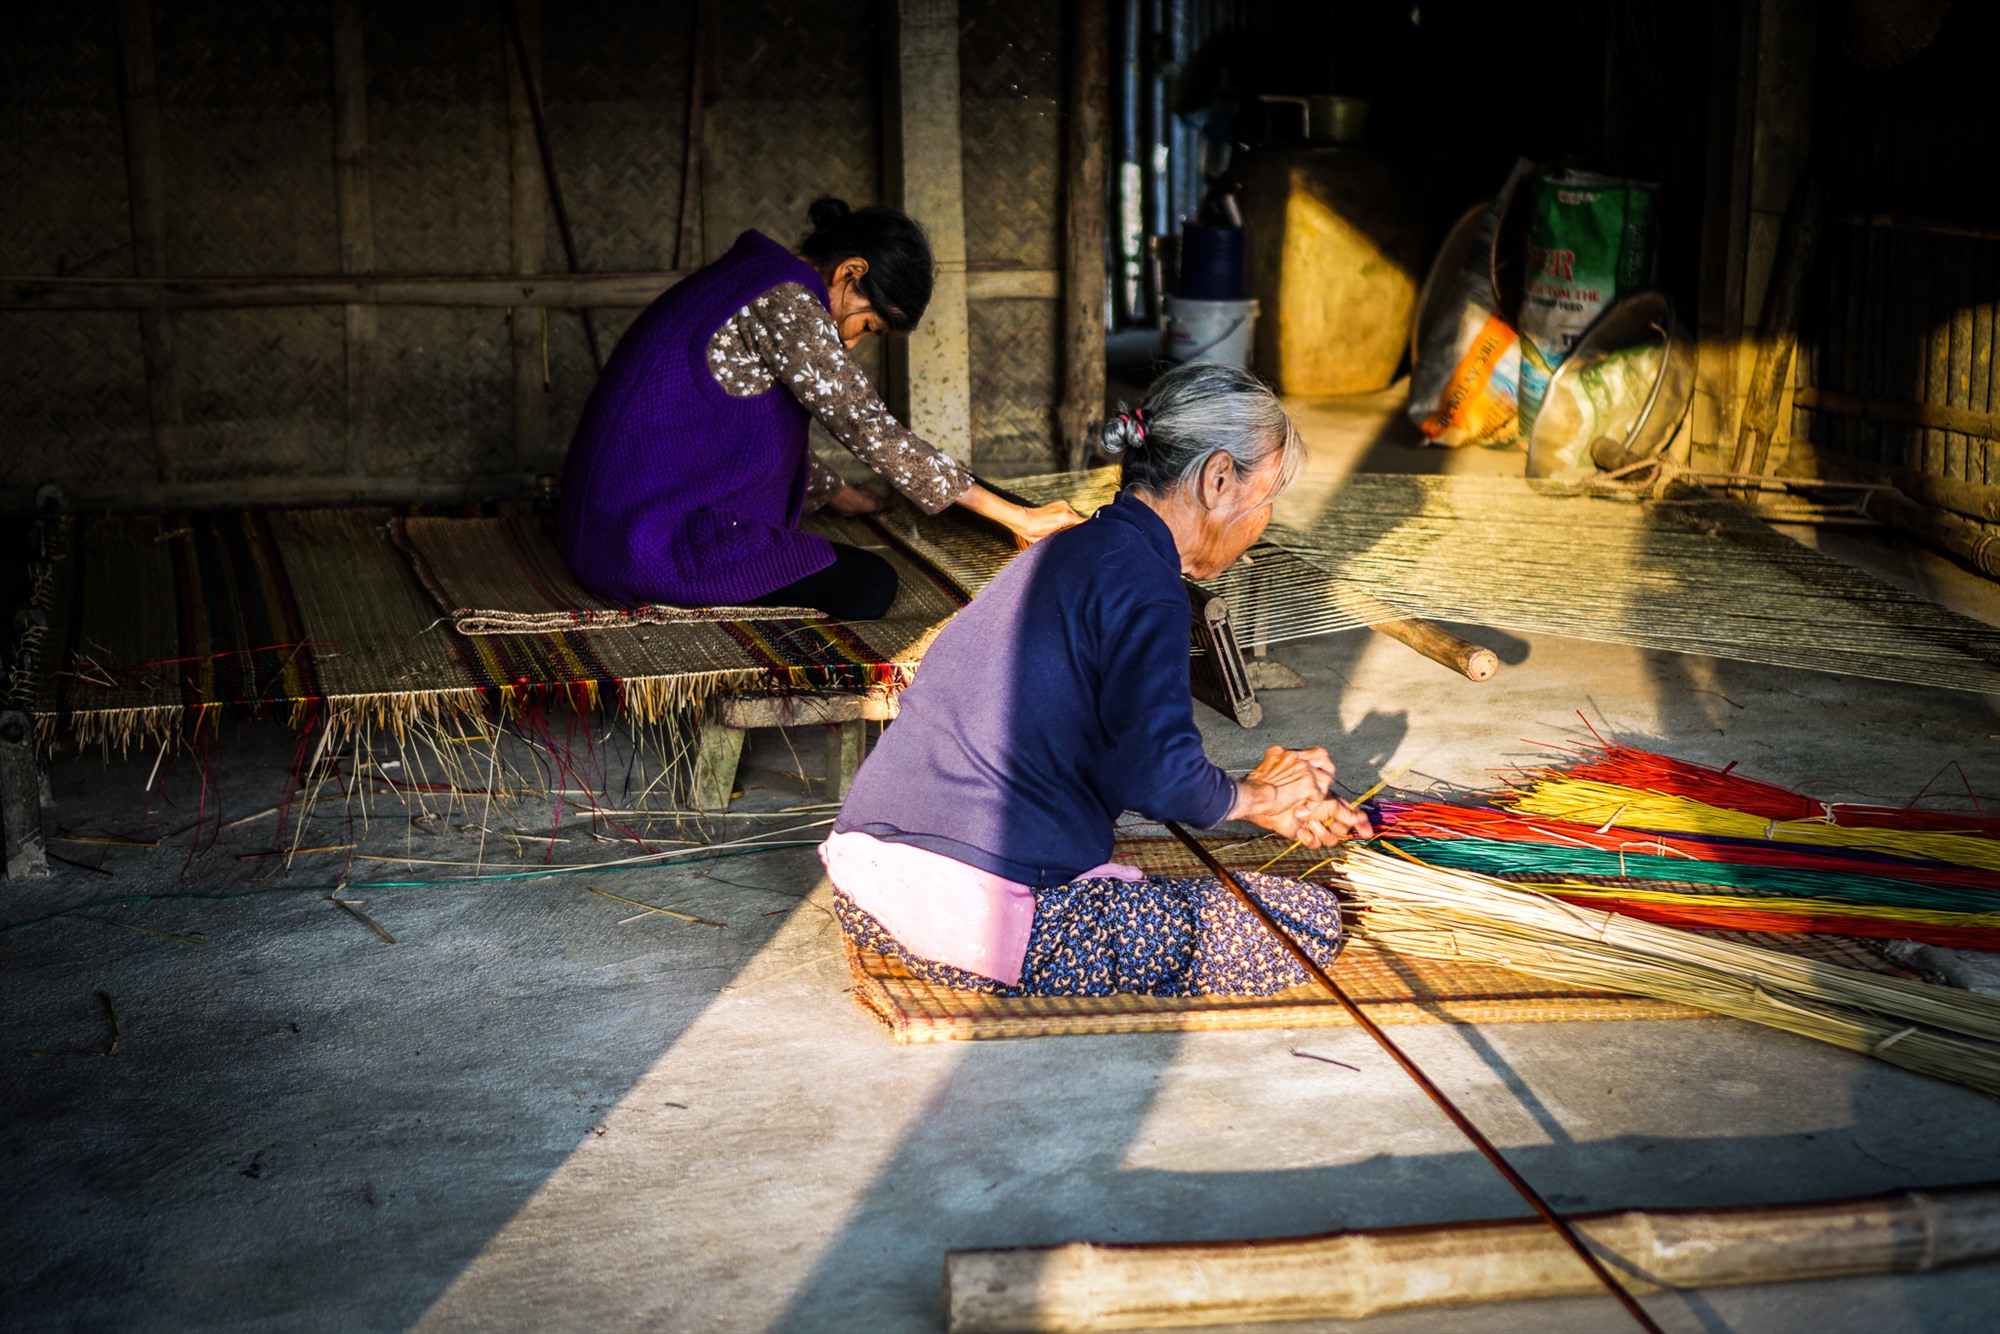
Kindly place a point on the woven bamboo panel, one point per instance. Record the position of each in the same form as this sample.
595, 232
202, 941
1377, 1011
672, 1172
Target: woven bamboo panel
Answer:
1016, 376
63, 201
614, 81
1010, 63
437, 138
74, 394
246, 128
74, 401
262, 392
449, 391
1902, 314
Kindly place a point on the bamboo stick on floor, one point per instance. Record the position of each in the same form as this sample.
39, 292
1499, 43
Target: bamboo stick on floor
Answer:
1088, 1286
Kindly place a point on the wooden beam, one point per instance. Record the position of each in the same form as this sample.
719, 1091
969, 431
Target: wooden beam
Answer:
1005, 284
109, 493
1916, 222
22, 292
1083, 229
145, 177
528, 216
924, 170
1933, 416
357, 218
1353, 1275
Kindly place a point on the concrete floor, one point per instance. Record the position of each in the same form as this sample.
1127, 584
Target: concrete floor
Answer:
533, 1112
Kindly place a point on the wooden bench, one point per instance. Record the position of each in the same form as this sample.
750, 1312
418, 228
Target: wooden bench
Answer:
730, 717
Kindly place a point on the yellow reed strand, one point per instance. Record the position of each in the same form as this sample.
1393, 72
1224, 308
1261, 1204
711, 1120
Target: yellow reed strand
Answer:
1603, 805
1294, 847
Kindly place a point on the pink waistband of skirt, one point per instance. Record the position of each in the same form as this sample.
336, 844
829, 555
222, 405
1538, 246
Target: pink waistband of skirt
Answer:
941, 909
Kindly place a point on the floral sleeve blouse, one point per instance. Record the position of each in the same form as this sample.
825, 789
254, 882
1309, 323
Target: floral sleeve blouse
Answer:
787, 337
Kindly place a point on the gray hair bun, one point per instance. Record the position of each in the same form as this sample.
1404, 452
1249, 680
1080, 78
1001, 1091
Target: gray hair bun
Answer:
1122, 434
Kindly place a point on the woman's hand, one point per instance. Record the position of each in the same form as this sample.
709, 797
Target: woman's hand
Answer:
851, 500
1290, 793
1029, 524
1032, 525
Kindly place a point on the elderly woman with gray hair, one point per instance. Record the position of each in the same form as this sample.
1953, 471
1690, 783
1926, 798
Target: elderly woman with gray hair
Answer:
973, 845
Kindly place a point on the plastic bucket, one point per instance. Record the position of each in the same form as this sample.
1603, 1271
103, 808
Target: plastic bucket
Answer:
1215, 263
1219, 331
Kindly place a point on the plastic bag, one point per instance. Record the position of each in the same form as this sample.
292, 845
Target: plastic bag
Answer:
1477, 405
1601, 397
1590, 238
1463, 386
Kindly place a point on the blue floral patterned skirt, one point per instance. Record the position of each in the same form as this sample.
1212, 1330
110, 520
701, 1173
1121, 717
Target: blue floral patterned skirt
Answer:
1163, 936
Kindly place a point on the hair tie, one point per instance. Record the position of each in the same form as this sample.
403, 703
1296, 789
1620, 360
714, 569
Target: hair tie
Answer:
1136, 419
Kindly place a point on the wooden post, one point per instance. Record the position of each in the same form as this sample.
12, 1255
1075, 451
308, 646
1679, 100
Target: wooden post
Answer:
1353, 1275
528, 219
925, 175
687, 242
145, 177
1083, 229
357, 219
21, 798
845, 743
1779, 333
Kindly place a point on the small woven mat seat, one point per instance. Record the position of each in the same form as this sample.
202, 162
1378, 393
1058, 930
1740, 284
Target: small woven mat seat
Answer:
1392, 988
502, 575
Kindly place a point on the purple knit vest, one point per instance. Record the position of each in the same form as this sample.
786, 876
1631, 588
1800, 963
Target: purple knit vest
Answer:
674, 491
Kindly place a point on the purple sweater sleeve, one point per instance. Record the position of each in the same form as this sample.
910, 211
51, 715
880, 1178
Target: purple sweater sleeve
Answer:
1148, 713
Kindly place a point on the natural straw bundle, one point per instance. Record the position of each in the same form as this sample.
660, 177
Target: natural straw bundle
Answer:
1439, 913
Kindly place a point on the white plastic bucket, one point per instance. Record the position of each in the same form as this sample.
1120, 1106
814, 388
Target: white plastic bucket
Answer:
1219, 331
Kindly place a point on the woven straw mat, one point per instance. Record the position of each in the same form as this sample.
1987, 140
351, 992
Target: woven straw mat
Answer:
1392, 988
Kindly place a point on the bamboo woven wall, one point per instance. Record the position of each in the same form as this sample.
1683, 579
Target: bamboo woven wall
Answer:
1010, 60
248, 104
1901, 318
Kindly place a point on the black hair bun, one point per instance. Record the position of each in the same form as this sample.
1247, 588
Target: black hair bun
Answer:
1119, 435
826, 212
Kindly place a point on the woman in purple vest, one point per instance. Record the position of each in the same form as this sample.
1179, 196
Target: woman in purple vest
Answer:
690, 468
974, 844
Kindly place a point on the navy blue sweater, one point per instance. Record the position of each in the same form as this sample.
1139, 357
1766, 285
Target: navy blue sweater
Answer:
1056, 700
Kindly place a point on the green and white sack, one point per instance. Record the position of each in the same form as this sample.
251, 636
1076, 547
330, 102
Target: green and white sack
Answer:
1590, 238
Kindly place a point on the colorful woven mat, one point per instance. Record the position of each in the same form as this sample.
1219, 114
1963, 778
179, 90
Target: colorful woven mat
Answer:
156, 621
502, 575
1392, 988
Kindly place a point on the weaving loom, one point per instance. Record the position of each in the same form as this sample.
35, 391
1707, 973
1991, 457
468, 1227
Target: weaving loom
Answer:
1691, 573
157, 622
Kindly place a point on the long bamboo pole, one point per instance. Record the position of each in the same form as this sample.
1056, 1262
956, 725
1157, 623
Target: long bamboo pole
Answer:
1087, 1286
1464, 1123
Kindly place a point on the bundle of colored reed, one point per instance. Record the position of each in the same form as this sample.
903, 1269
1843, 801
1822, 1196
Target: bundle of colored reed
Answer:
1608, 805
1699, 892
1687, 844
1629, 766
1438, 912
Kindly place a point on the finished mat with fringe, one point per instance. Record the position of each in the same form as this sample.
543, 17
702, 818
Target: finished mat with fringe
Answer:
156, 622
501, 574
1393, 988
